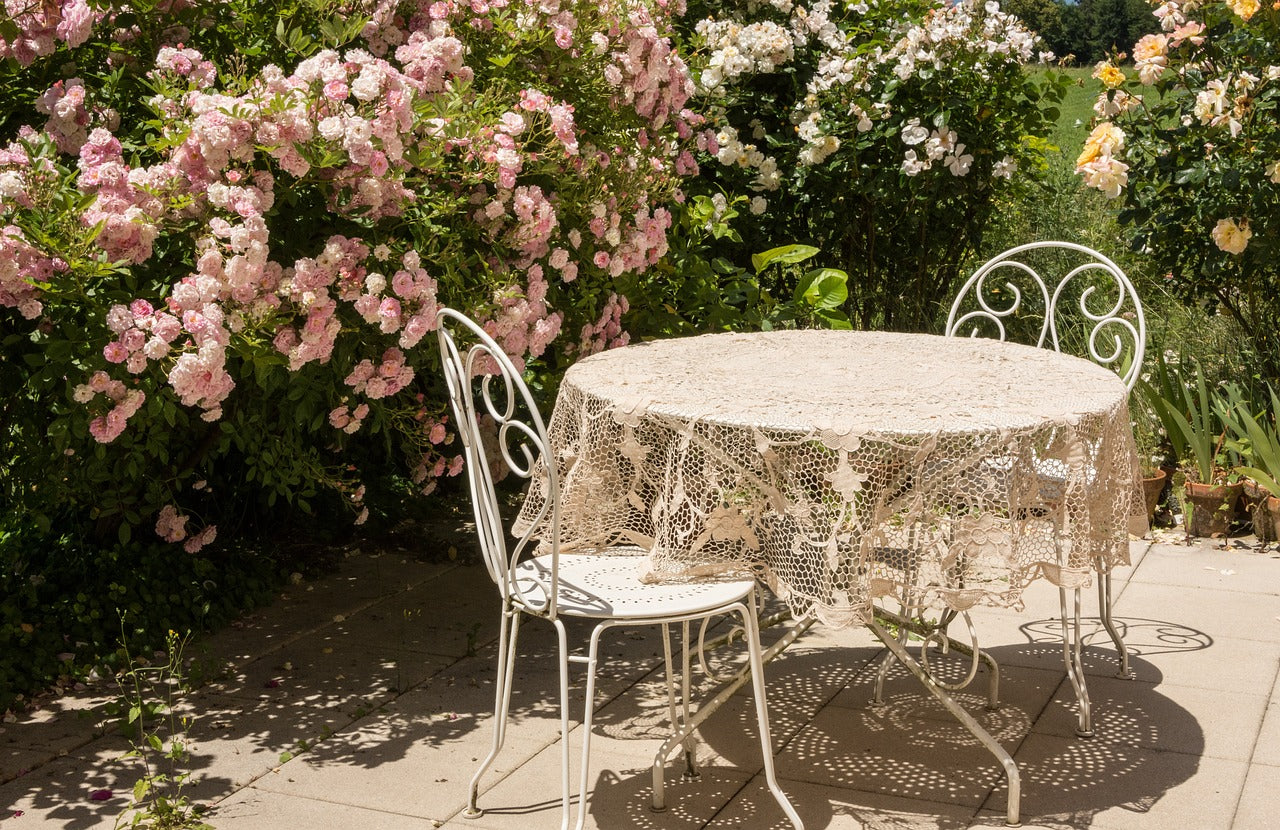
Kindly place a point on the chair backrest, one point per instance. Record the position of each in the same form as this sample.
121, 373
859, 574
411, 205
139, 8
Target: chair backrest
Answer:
483, 383
1091, 308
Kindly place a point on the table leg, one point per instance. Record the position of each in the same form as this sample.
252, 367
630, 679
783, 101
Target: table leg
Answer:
1104, 611
736, 682
905, 623
1075, 665
993, 746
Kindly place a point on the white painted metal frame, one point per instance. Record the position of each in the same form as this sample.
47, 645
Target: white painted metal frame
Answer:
536, 579
1117, 339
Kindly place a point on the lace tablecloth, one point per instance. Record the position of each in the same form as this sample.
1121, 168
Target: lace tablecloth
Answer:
844, 467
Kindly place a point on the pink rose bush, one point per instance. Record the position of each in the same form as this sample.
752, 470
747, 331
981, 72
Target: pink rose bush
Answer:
1188, 142
43, 25
225, 265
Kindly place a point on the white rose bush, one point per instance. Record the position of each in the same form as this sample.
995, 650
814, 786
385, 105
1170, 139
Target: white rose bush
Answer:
881, 133
1188, 141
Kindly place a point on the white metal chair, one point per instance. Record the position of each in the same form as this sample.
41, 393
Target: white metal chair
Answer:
1092, 308
535, 578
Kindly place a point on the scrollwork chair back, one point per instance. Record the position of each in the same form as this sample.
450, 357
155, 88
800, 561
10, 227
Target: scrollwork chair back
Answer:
482, 381
1091, 309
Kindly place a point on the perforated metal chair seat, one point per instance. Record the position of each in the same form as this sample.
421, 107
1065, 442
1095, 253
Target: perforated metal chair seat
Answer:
609, 586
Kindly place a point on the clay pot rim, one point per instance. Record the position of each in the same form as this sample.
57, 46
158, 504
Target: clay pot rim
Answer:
1196, 488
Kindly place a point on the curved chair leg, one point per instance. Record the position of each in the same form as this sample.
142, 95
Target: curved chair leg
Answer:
686, 694
1104, 611
508, 635
1075, 665
751, 623
592, 660
566, 794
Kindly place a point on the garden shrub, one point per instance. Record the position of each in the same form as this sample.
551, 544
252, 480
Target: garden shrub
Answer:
65, 605
881, 133
225, 230
1187, 140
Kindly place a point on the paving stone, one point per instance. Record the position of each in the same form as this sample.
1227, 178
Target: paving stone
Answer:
1221, 614
834, 808
1023, 695
620, 795
58, 794
1266, 750
893, 752
1201, 722
1260, 800
1073, 782
310, 606
1199, 566
406, 758
16, 762
59, 725
256, 809
336, 667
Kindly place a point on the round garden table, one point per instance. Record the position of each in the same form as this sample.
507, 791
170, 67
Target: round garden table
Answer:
844, 466
848, 468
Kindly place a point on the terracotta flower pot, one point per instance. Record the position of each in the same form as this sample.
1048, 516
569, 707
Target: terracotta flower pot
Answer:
1209, 508
1152, 487
1251, 494
1266, 518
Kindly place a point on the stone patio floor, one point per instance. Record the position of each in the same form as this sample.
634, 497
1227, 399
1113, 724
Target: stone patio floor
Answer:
364, 700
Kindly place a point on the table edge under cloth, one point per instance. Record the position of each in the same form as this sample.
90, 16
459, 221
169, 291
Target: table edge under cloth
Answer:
585, 524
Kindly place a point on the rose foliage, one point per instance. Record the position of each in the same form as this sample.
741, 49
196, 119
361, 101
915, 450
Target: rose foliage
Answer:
1188, 141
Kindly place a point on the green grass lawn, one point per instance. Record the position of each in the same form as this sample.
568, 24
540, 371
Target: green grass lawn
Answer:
1075, 110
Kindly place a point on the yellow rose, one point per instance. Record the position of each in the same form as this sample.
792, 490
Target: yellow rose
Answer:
1232, 236
1244, 9
1103, 140
1110, 75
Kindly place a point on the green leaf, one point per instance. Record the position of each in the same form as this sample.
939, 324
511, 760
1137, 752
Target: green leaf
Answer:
1192, 175
155, 742
787, 255
823, 288
285, 757
140, 789
834, 319
134, 712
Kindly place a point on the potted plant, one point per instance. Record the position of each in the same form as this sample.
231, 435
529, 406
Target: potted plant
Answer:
1190, 415
1260, 439
1153, 453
